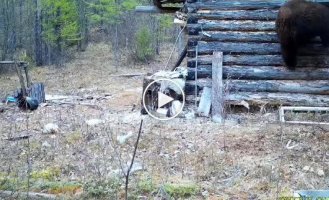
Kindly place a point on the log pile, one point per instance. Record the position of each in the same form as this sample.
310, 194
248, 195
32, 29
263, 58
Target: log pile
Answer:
252, 66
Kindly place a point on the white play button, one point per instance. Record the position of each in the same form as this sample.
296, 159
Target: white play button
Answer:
158, 102
163, 99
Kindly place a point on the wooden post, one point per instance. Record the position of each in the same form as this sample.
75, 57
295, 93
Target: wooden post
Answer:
217, 99
21, 78
27, 76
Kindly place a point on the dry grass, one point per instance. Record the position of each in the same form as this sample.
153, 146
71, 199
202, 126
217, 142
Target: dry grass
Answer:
246, 161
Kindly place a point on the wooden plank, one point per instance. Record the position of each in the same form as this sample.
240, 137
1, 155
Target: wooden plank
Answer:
232, 5
263, 60
262, 73
217, 100
273, 86
205, 102
261, 98
227, 25
261, 14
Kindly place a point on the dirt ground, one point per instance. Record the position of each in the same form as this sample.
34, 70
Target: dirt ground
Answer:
254, 158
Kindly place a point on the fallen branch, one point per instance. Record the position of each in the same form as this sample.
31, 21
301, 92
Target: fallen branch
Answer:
132, 160
127, 75
32, 195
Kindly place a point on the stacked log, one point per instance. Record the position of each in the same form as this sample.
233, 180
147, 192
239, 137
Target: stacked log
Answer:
253, 69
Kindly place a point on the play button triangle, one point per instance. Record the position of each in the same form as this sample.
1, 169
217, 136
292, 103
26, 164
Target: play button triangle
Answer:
163, 99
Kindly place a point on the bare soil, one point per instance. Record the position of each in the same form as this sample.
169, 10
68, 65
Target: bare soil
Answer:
246, 160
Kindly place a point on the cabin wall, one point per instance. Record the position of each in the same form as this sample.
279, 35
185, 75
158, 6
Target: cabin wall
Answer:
253, 69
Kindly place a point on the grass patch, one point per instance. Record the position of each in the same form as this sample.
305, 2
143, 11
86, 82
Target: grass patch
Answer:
102, 188
57, 187
181, 190
49, 174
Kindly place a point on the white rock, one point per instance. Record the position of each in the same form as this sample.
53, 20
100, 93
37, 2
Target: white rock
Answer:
306, 168
94, 122
175, 108
50, 128
205, 193
46, 144
123, 138
190, 115
320, 172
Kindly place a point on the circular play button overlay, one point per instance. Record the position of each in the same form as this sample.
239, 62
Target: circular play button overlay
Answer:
164, 99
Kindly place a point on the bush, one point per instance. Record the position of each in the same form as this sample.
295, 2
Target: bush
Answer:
143, 48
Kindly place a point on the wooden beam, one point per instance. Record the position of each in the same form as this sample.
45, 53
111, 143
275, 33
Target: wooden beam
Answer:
262, 73
217, 99
236, 36
262, 14
227, 25
207, 48
261, 98
240, 5
300, 86
154, 9
320, 61
147, 9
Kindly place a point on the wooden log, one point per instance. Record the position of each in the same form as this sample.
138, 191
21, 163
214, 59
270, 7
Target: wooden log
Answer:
262, 14
234, 48
262, 98
227, 25
263, 60
254, 48
272, 86
262, 73
236, 36
23, 195
12, 62
217, 94
247, 5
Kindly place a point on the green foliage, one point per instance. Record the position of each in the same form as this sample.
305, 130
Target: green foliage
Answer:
144, 49
146, 186
181, 190
57, 187
61, 21
109, 11
47, 174
100, 188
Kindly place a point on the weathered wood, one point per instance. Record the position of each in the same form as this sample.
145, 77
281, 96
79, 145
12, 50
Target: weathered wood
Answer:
248, 5
262, 98
23, 195
263, 60
237, 48
300, 86
21, 79
11, 62
181, 57
205, 102
227, 25
236, 36
262, 73
262, 14
254, 48
217, 100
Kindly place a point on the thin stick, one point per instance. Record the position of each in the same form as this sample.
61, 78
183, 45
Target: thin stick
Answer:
132, 160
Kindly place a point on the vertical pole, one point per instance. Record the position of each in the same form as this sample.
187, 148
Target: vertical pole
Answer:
196, 77
217, 99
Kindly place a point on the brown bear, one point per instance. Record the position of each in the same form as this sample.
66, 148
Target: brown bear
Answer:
299, 21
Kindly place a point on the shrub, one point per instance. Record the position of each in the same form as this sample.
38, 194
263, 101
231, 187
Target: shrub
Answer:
143, 49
